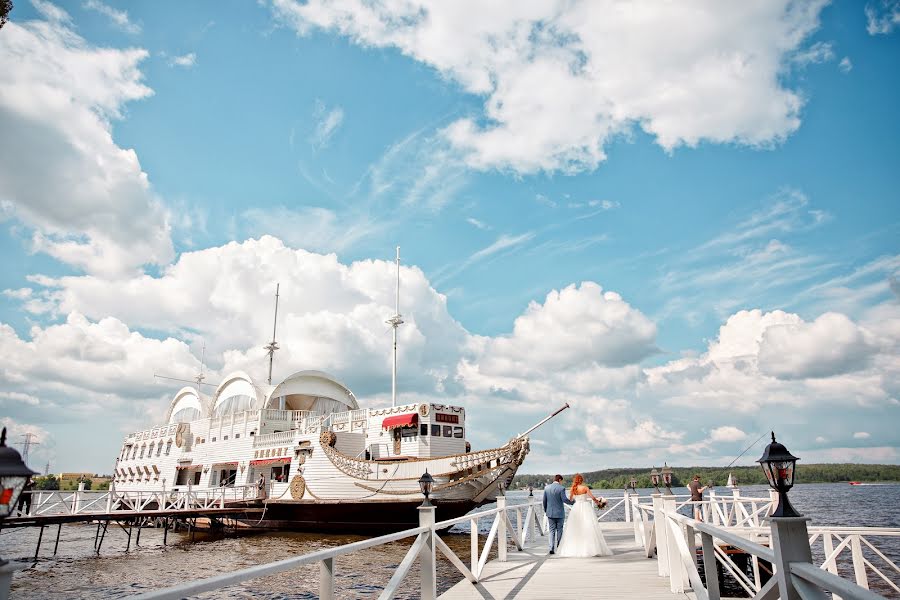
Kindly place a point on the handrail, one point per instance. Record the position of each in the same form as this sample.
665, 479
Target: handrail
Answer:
326, 557
831, 582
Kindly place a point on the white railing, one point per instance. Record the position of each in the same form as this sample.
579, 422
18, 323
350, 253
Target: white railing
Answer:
52, 503
273, 439
524, 525
786, 544
276, 414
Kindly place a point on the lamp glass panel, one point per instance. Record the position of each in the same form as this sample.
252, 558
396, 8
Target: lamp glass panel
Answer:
770, 476
785, 471
10, 489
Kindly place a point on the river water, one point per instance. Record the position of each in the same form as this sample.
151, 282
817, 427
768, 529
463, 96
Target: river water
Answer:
78, 572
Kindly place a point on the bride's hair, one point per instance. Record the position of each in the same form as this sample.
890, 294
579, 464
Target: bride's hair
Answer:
576, 481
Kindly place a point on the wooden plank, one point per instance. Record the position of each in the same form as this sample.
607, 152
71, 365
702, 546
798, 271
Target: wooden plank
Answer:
532, 574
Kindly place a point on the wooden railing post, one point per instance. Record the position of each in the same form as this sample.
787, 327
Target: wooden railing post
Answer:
112, 493
678, 579
712, 507
427, 556
859, 567
326, 579
76, 503
627, 506
501, 529
710, 570
659, 526
790, 542
473, 535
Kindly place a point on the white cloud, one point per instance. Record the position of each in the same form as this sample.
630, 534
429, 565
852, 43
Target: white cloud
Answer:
316, 228
861, 435
118, 17
727, 433
882, 16
817, 53
185, 61
86, 200
562, 79
478, 224
327, 122
846, 65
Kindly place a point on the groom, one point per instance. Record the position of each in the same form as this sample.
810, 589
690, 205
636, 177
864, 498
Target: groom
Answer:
554, 498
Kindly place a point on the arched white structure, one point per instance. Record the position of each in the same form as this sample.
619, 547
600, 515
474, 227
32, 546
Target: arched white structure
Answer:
313, 391
185, 407
236, 394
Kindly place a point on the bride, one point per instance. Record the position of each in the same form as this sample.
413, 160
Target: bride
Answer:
582, 536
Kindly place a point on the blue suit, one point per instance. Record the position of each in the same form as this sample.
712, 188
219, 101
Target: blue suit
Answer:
554, 499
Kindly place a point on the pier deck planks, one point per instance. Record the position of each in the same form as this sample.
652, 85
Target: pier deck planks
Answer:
533, 574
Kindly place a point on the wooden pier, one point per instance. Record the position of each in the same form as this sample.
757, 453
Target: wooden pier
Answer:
533, 573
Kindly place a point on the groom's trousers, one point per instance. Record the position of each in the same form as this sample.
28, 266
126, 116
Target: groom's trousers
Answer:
556, 531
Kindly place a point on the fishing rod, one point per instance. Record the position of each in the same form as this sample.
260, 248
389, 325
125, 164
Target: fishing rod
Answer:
738, 457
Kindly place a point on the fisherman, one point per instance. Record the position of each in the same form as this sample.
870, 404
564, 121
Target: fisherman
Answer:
697, 496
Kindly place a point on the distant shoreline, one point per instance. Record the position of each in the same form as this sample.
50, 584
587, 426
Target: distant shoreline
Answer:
718, 476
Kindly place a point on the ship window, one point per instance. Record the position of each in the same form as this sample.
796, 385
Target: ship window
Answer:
150, 453
159, 448
457, 432
214, 439
237, 435
252, 433
224, 437
168, 447
448, 431
143, 449
186, 415
436, 430
409, 432
232, 404
424, 429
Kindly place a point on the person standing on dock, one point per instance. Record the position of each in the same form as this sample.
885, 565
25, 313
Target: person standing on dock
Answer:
697, 496
554, 498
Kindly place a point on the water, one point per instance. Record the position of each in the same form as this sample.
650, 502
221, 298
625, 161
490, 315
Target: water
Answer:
78, 572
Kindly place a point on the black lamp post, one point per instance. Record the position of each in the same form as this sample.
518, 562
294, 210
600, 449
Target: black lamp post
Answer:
633, 484
530, 491
654, 478
667, 476
426, 484
778, 465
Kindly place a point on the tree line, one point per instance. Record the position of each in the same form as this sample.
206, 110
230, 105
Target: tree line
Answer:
718, 476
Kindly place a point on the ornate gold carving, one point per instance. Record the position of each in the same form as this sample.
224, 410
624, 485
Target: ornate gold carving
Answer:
298, 487
327, 439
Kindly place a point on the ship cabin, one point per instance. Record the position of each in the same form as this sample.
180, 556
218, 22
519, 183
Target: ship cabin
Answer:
245, 429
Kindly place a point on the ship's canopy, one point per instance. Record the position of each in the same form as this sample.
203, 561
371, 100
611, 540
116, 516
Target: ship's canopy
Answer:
313, 391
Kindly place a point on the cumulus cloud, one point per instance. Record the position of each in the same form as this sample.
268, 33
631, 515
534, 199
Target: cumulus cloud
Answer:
561, 79
727, 433
86, 200
861, 435
185, 61
846, 65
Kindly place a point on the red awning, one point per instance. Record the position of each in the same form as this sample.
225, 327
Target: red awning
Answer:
269, 461
225, 464
400, 421
189, 467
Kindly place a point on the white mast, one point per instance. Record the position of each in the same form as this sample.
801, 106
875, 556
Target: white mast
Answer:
200, 376
395, 322
273, 346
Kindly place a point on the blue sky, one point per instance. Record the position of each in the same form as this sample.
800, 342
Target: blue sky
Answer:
697, 168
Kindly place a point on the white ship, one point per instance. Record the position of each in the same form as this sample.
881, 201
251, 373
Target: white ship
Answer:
328, 464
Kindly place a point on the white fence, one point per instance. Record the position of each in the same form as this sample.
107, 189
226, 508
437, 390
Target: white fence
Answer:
516, 523
50, 503
785, 545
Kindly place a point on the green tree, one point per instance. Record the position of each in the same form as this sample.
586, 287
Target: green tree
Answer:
46, 482
5, 7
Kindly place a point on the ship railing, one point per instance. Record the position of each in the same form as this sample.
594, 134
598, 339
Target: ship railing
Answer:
785, 548
273, 439
341, 417
277, 414
508, 523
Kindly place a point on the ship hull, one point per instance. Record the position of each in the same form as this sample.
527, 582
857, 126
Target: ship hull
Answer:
373, 517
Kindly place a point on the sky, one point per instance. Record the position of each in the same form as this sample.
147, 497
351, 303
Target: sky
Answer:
682, 219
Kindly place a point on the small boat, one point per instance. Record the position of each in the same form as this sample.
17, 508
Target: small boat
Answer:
856, 483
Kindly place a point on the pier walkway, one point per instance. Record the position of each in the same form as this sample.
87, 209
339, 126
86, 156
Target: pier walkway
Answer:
533, 573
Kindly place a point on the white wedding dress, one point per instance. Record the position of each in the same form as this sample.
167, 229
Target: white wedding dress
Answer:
582, 536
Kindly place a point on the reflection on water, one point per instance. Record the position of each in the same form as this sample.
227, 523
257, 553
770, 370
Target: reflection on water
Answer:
77, 572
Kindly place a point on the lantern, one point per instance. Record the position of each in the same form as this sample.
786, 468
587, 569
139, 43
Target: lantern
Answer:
13, 476
667, 476
530, 491
778, 465
426, 484
654, 478
633, 483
